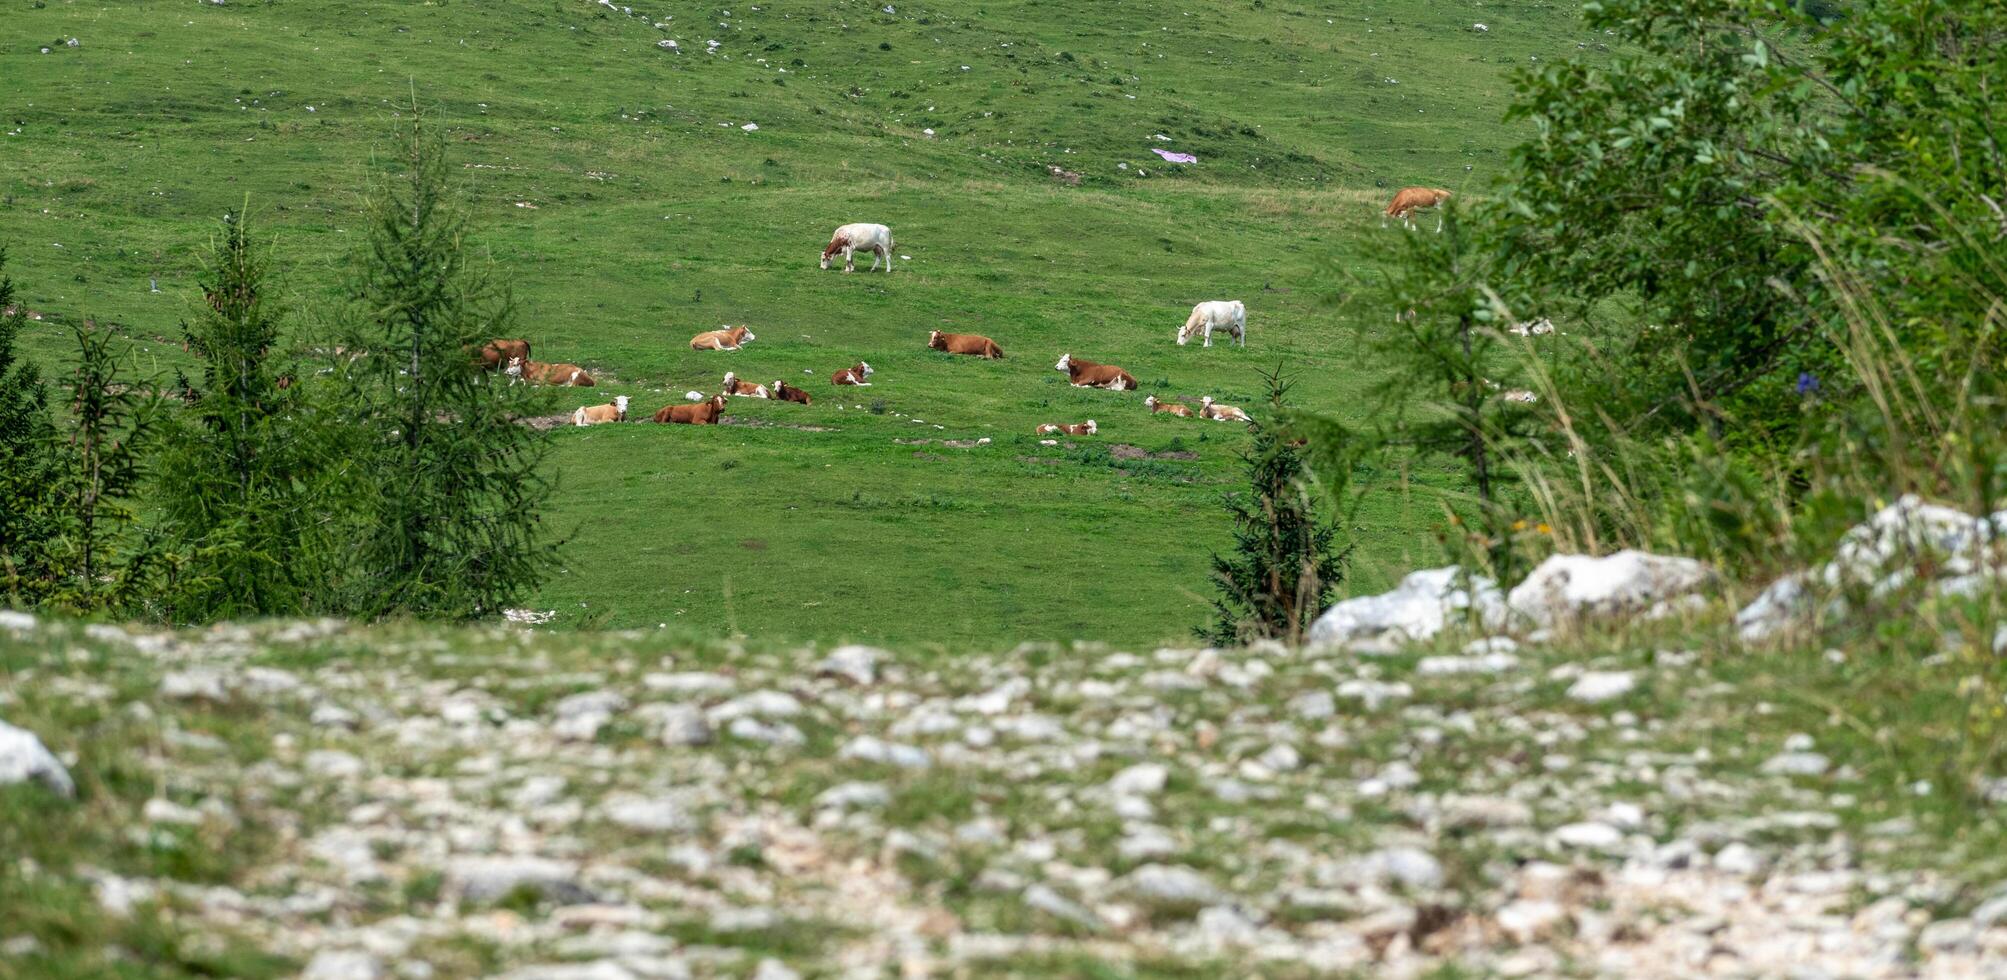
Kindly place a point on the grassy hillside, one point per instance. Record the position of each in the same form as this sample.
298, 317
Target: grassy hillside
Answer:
618, 193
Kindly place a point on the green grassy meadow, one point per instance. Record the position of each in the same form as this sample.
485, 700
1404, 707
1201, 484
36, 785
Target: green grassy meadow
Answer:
617, 193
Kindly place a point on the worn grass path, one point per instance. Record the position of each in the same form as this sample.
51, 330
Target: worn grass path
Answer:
619, 196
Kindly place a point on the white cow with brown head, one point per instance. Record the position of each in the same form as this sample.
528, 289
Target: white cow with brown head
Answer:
861, 237
596, 414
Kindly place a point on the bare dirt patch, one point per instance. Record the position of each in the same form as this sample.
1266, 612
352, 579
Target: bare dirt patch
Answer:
1123, 450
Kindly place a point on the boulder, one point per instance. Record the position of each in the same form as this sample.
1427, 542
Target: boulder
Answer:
1419, 608
24, 757
1569, 587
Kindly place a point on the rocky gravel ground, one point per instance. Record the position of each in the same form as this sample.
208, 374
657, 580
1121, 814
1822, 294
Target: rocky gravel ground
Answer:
332, 802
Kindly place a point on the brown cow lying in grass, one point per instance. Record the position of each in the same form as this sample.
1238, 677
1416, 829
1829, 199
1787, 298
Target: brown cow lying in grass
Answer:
1087, 374
543, 373
974, 345
744, 389
1086, 428
1220, 413
729, 338
789, 393
1168, 408
496, 354
853, 375
595, 414
705, 412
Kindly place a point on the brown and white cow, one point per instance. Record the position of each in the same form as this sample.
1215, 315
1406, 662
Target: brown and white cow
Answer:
726, 338
974, 345
860, 237
744, 389
1087, 374
853, 375
1408, 200
495, 354
1086, 428
1220, 413
789, 393
1168, 408
545, 373
705, 412
595, 414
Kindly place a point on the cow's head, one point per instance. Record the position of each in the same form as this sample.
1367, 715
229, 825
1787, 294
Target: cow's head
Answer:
864, 368
1065, 361
515, 368
718, 402
1185, 333
835, 245
731, 380
934, 341
620, 405
1206, 402
1092, 427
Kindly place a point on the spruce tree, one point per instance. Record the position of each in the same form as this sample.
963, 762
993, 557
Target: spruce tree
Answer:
242, 472
27, 457
97, 557
1284, 563
452, 520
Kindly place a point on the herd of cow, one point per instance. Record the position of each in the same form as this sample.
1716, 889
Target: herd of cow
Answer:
1227, 316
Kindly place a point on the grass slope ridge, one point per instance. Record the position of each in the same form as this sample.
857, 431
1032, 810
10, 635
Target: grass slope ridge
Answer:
495, 802
617, 191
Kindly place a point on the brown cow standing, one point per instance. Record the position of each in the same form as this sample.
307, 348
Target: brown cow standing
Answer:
853, 375
789, 393
1411, 199
974, 345
495, 354
1087, 374
701, 413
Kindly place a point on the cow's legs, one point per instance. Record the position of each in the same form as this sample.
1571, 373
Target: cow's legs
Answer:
1209, 336
1439, 222
849, 260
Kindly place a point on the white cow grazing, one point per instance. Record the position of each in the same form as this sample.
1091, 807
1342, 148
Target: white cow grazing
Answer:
1219, 314
853, 238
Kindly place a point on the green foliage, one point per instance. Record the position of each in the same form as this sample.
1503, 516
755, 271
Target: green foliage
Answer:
452, 522
244, 496
97, 558
1285, 562
1444, 355
1647, 184
27, 459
